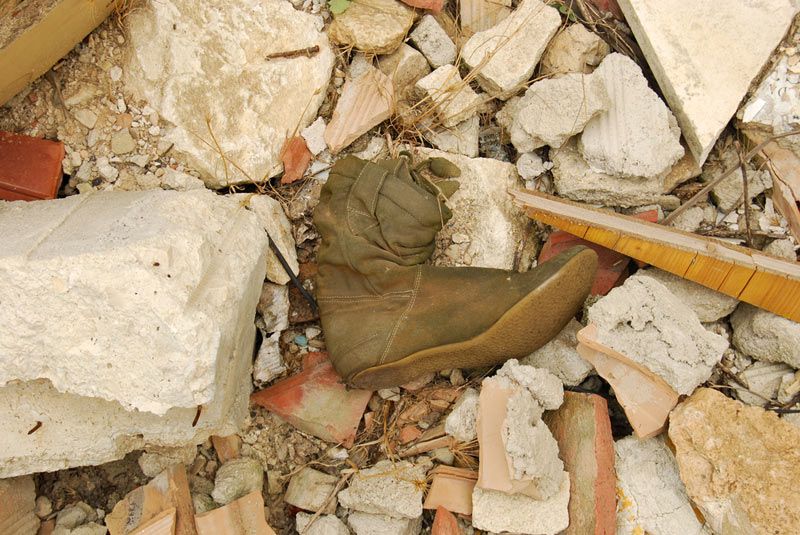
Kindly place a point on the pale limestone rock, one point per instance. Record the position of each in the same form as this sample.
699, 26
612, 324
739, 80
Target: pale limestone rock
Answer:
86, 117
763, 378
433, 42
690, 220
766, 336
370, 524
637, 136
268, 364
692, 61
272, 218
122, 142
453, 99
708, 304
642, 320
212, 75
574, 49
517, 513
530, 165
314, 134
460, 139
324, 525
404, 67
237, 478
372, 26
392, 489
651, 497
156, 273
310, 489
460, 423
554, 110
560, 357
576, 180
482, 210
180, 181
507, 118
153, 462
273, 308
479, 15
736, 462
782, 249
505, 55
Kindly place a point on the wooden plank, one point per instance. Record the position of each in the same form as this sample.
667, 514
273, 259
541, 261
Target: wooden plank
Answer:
751, 276
42, 43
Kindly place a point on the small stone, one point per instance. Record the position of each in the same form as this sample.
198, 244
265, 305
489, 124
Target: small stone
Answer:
179, 181
203, 503
460, 423
314, 134
106, 170
560, 357
782, 249
460, 139
444, 456
139, 160
273, 219
154, 130
452, 98
122, 142
115, 73
273, 306
390, 394
574, 49
690, 220
371, 524
505, 55
155, 462
92, 528
530, 166
404, 67
43, 506
310, 489
764, 379
86, 117
323, 525
73, 516
728, 193
766, 336
236, 478
433, 42
392, 489
268, 364
517, 513
708, 304
372, 26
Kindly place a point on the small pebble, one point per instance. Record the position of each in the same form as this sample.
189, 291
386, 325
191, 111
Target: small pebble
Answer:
301, 340
43, 506
115, 73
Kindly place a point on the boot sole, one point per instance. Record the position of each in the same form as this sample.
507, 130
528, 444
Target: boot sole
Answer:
525, 327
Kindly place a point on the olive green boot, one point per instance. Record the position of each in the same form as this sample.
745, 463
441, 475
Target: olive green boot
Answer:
389, 318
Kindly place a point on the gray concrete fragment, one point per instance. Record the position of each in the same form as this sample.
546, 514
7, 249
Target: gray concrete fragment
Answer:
517, 513
310, 489
433, 42
574, 49
560, 357
782, 249
390, 489
236, 478
764, 379
273, 219
460, 139
645, 322
545, 387
273, 308
766, 336
507, 118
324, 525
453, 99
460, 423
708, 304
370, 524
156, 461
690, 220
638, 136
269, 363
530, 165
372, 26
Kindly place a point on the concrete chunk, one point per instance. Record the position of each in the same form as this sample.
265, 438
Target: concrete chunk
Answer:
651, 495
236, 478
706, 303
479, 15
764, 379
637, 136
560, 357
645, 322
433, 42
505, 55
324, 525
370, 524
574, 49
692, 62
404, 67
164, 283
460, 139
391, 489
766, 336
309, 489
517, 513
451, 97
460, 423
372, 26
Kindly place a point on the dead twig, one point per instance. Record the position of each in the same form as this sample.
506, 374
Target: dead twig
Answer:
309, 51
339, 486
745, 194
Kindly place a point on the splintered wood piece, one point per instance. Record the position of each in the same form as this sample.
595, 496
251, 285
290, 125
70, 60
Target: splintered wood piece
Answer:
227, 448
646, 398
451, 488
17, 500
161, 524
244, 516
168, 490
748, 275
365, 102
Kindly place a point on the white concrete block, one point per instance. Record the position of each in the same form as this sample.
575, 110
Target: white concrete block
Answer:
517, 513
133, 297
392, 489
705, 58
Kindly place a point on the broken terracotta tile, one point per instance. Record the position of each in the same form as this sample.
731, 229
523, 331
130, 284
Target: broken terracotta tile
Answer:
646, 398
612, 267
168, 490
364, 103
582, 428
161, 524
296, 158
432, 5
30, 167
17, 501
451, 488
316, 401
227, 448
444, 523
244, 516
47, 527
409, 433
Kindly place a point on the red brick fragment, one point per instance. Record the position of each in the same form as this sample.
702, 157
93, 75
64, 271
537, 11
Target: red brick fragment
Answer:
432, 5
609, 6
444, 523
30, 167
316, 401
296, 158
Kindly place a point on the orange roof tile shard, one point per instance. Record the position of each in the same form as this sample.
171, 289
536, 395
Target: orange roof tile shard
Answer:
244, 516
748, 275
451, 488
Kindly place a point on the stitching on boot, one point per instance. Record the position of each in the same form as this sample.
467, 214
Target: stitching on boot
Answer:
374, 204
350, 196
403, 293
402, 318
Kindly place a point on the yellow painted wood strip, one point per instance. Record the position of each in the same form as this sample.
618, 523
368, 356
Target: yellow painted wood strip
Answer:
737, 279
708, 271
604, 237
564, 224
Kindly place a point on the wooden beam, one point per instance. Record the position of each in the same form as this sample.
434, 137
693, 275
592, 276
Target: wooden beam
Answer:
746, 274
35, 42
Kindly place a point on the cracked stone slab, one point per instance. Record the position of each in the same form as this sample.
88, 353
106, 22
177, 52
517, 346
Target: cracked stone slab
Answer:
201, 64
391, 489
709, 305
574, 49
766, 336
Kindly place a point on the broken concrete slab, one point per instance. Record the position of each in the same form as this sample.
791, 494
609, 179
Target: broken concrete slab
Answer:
179, 73
576, 180
451, 488
372, 26
237, 478
709, 305
245, 516
573, 49
482, 210
140, 277
310, 489
433, 42
460, 423
391, 489
649, 325
651, 497
371, 524
517, 513
582, 428
460, 139
316, 401
764, 379
735, 461
555, 109
452, 99
766, 336
692, 61
323, 525
505, 55
638, 135
560, 357
17, 503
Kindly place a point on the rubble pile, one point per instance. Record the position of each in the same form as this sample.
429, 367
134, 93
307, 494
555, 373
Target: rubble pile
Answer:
164, 370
